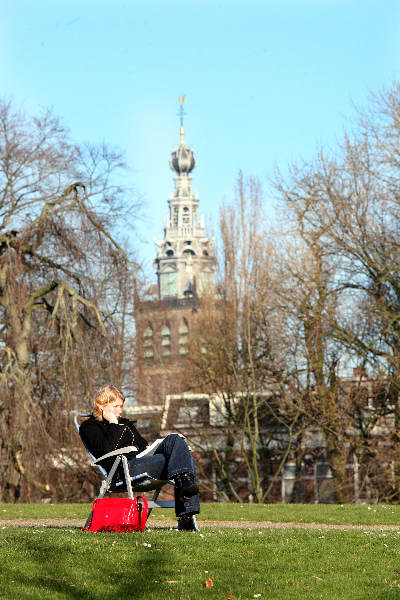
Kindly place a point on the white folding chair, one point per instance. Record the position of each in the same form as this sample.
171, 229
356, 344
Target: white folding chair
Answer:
139, 483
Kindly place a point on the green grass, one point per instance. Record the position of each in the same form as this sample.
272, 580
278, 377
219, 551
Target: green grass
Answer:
308, 513
278, 564
275, 564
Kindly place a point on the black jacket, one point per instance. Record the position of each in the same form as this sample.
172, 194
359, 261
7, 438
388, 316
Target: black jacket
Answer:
101, 437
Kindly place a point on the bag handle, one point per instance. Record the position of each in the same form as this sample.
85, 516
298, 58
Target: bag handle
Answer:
139, 506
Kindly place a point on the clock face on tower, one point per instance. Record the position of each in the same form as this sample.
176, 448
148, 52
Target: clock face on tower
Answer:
169, 284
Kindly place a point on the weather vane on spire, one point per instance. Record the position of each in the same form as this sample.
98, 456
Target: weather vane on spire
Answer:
181, 113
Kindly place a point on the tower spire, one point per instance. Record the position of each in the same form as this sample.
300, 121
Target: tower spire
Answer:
181, 114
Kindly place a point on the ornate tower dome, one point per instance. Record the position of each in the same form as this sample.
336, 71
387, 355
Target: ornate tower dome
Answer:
182, 159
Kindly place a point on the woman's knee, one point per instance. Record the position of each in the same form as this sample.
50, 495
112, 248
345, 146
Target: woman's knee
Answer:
174, 436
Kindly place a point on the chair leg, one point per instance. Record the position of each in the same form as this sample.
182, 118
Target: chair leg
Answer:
106, 484
88, 519
127, 477
154, 498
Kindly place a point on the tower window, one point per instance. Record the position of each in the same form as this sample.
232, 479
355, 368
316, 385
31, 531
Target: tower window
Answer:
170, 252
148, 342
183, 350
166, 340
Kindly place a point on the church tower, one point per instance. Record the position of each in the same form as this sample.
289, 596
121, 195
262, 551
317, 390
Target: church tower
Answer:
185, 259
184, 264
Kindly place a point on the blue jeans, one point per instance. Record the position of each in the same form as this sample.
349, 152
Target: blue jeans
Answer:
171, 458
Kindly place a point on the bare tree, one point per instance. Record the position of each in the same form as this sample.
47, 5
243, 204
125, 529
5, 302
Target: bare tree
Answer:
237, 358
348, 203
60, 274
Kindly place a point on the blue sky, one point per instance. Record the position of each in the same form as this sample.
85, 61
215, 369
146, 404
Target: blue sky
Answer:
266, 82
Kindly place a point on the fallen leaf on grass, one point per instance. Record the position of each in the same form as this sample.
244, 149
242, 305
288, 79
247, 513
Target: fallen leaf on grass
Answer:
172, 581
317, 578
209, 583
250, 552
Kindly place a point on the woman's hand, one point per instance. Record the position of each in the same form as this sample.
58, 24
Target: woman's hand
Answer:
108, 414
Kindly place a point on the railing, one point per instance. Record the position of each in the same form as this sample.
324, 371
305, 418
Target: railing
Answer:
187, 230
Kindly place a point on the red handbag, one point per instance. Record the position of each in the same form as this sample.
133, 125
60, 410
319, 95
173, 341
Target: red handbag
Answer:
118, 514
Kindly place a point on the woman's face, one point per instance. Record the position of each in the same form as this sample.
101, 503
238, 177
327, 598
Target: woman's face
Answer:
113, 408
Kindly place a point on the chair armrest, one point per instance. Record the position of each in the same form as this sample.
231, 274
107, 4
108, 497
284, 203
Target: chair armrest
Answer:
125, 450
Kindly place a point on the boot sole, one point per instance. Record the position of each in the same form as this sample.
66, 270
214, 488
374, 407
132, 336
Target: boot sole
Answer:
189, 491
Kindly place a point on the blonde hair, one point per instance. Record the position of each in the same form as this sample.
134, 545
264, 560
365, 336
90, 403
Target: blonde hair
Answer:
105, 395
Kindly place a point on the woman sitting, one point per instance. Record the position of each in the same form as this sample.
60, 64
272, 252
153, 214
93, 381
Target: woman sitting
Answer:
106, 431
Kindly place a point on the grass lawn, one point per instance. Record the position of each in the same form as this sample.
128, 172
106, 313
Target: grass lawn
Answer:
226, 564
360, 514
235, 564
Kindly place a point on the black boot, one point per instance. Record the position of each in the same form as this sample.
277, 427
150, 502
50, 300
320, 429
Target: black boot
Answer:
187, 523
186, 486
